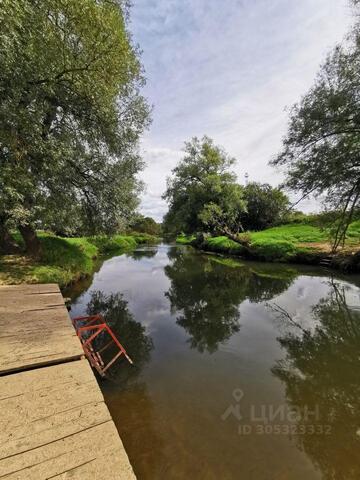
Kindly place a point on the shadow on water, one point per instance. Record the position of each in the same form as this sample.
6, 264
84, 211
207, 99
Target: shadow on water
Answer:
321, 372
206, 292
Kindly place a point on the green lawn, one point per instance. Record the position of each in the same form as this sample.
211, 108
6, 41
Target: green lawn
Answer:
65, 260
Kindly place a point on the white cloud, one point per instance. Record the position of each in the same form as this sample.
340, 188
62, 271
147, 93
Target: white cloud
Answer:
228, 70
159, 163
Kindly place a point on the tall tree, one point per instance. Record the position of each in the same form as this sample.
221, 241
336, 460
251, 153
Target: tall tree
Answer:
322, 148
202, 193
70, 114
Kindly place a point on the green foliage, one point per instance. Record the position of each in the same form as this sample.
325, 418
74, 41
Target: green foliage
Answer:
185, 239
202, 193
353, 232
223, 245
322, 146
109, 244
265, 206
146, 225
295, 216
277, 244
273, 250
70, 115
145, 239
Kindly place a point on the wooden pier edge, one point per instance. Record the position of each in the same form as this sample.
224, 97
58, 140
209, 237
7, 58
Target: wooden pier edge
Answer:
54, 423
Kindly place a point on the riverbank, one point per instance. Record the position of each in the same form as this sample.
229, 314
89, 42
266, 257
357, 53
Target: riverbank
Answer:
66, 260
292, 243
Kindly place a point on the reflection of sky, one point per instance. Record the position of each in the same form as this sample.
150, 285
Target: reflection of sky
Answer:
143, 283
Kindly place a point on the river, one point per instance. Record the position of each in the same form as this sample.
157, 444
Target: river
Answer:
242, 370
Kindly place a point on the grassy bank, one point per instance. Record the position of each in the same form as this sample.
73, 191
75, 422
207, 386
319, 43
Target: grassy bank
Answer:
65, 260
300, 243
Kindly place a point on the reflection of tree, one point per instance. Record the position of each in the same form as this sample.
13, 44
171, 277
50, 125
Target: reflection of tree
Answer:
322, 369
207, 292
129, 332
146, 252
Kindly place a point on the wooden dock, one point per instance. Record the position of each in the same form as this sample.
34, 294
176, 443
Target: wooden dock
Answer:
54, 423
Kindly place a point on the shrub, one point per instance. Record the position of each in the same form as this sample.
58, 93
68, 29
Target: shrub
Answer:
223, 245
273, 250
114, 243
185, 239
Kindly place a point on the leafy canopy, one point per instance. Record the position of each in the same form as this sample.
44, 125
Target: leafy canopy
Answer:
70, 114
202, 193
321, 151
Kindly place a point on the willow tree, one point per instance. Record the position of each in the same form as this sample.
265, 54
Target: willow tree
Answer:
202, 193
321, 150
70, 116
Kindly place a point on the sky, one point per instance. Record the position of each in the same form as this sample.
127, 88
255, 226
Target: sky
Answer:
229, 69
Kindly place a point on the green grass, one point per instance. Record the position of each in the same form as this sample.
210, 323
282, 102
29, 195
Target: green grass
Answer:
185, 239
279, 244
353, 233
272, 250
110, 244
223, 245
295, 233
65, 260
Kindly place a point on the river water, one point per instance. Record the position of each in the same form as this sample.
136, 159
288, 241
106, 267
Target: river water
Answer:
242, 370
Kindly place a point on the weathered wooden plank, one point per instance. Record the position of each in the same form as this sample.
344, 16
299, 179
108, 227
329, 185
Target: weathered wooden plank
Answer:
35, 328
33, 288
54, 424
96, 453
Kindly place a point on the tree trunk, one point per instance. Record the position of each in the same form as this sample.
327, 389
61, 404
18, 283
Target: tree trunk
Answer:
235, 236
33, 245
7, 243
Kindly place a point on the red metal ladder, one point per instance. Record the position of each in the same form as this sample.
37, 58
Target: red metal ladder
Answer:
87, 329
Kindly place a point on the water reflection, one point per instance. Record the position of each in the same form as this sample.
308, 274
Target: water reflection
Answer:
145, 252
321, 371
170, 415
206, 292
131, 333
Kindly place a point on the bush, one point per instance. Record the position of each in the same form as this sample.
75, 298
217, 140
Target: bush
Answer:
145, 238
273, 250
223, 245
114, 243
185, 239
